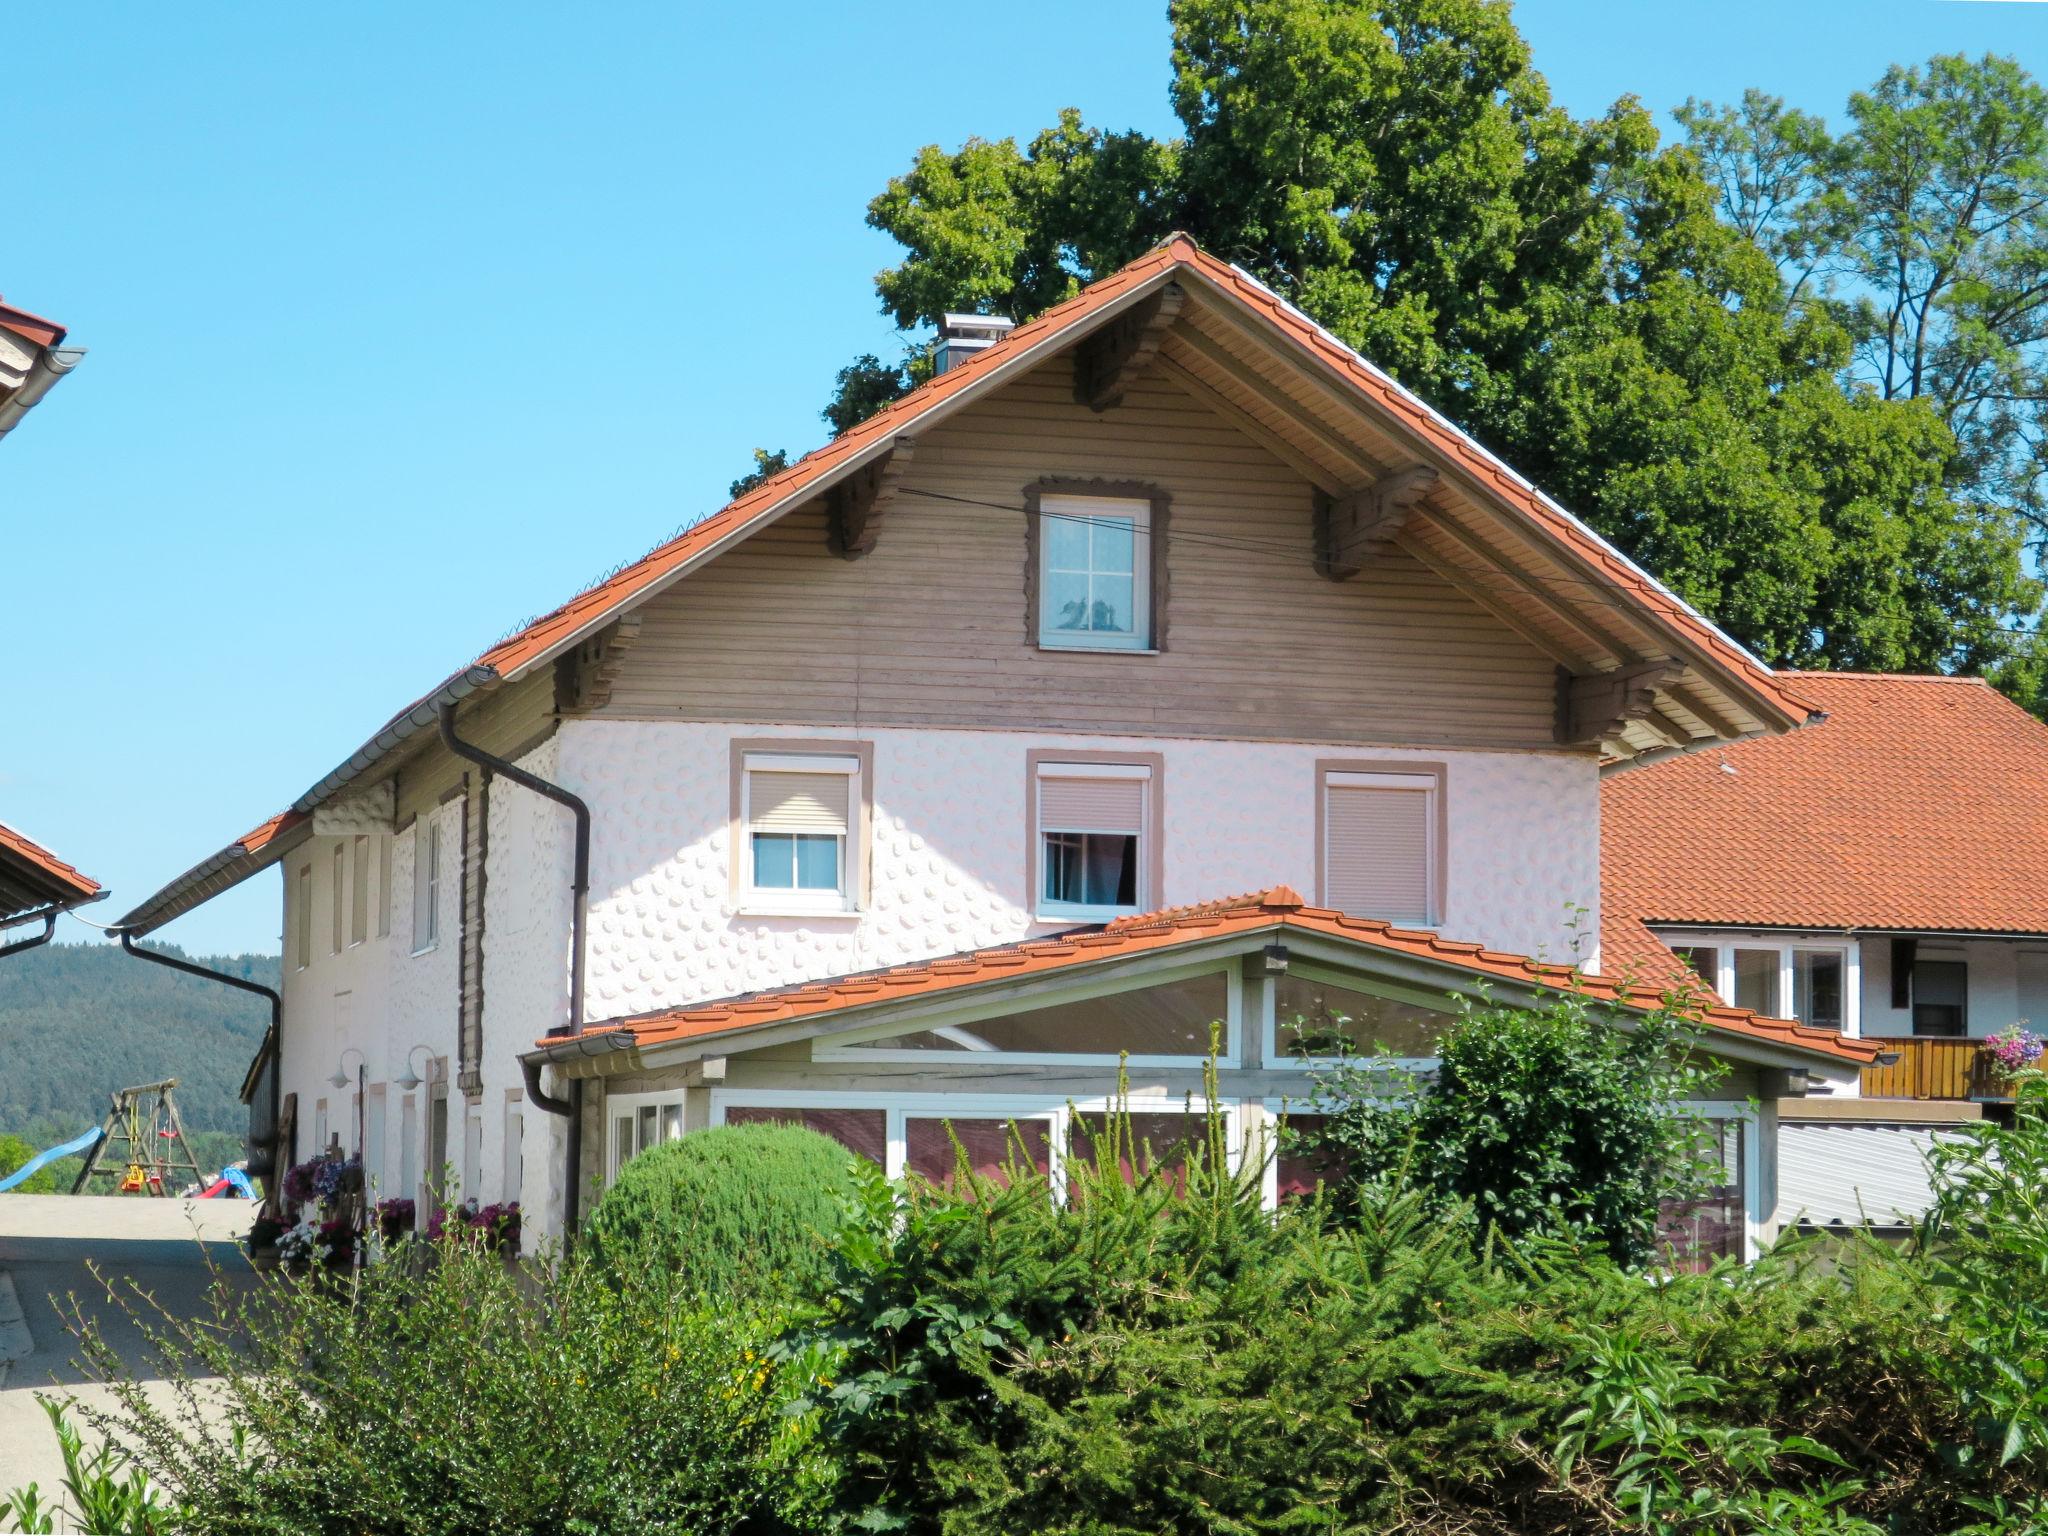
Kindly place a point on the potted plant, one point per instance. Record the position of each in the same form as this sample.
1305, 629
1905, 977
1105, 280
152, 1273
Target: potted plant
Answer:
396, 1218
297, 1247
498, 1226
337, 1242
2013, 1049
262, 1240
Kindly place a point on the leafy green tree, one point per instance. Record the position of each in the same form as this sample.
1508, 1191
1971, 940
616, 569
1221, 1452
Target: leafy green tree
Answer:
767, 464
14, 1152
1630, 324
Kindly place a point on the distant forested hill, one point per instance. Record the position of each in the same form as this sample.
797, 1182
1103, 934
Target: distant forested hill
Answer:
79, 1020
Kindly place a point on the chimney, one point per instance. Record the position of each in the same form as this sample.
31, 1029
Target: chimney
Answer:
961, 336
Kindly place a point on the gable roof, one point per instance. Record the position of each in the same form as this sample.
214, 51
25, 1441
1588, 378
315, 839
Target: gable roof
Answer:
34, 880
1277, 910
1618, 613
1915, 806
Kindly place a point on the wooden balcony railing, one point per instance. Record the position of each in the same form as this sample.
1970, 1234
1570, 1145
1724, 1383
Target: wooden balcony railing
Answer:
1935, 1067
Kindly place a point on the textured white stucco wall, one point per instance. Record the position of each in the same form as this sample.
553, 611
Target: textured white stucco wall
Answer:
947, 859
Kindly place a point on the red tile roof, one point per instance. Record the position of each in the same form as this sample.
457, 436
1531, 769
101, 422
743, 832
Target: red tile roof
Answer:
1279, 909
34, 877
1918, 804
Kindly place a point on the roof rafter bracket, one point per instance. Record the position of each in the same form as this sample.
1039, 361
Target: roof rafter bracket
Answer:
1345, 525
1597, 707
1110, 361
856, 504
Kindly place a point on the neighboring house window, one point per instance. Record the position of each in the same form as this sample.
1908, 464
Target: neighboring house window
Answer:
1941, 996
1756, 982
1381, 835
339, 895
1817, 991
1703, 960
1094, 573
1097, 838
426, 884
302, 918
1796, 979
800, 815
359, 893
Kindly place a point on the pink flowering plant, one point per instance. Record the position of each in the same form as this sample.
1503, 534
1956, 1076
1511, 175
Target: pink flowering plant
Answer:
2015, 1048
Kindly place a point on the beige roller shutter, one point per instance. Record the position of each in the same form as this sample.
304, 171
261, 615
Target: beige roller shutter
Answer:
1091, 804
799, 802
1377, 855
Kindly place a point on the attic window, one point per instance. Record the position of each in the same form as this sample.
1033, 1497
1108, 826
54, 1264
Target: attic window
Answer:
1094, 572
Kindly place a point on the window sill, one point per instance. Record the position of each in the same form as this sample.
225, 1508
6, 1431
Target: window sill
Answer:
427, 949
752, 908
1069, 916
1097, 650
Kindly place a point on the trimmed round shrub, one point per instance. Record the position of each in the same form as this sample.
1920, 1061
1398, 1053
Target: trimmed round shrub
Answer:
737, 1212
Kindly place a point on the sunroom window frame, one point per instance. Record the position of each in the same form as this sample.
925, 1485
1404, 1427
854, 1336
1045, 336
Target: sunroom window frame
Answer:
1329, 975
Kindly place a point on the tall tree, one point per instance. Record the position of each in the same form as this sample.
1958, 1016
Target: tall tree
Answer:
1626, 322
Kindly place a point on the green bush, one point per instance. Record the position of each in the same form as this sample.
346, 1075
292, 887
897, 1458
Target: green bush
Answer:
13, 1153
445, 1390
1563, 1120
1140, 1358
736, 1212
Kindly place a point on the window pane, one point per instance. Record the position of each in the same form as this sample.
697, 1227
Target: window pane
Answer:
1066, 541
865, 1131
1313, 1018
1110, 604
1694, 1233
1300, 1171
1066, 601
817, 862
671, 1121
650, 1128
992, 1147
622, 1142
1704, 960
1941, 990
1756, 981
1153, 1140
774, 861
1114, 546
1169, 1020
1817, 988
1092, 869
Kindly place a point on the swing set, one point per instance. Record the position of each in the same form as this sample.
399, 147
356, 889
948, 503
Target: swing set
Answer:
154, 1157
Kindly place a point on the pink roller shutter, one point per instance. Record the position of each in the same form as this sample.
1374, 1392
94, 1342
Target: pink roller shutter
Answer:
1377, 863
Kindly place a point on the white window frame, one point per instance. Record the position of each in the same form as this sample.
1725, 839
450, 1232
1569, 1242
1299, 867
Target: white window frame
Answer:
657, 1099
838, 1047
1725, 942
776, 901
1269, 1009
426, 882
1427, 784
1138, 512
1075, 912
900, 1108
1756, 1211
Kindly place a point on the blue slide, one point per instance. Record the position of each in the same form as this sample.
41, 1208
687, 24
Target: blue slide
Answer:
42, 1159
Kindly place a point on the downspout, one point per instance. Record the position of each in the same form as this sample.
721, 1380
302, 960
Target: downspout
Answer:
572, 1105
273, 1043
49, 927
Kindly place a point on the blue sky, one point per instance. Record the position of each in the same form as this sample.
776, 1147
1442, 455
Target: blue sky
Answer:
407, 320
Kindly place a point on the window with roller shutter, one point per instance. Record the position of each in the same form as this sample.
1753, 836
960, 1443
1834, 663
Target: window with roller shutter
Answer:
1380, 853
800, 814
1094, 822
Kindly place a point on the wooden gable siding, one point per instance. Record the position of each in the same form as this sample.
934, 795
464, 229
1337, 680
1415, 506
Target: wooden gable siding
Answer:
931, 629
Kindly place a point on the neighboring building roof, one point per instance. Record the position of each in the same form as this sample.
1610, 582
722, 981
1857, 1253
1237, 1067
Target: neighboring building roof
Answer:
1596, 582
1917, 805
1279, 910
33, 358
34, 880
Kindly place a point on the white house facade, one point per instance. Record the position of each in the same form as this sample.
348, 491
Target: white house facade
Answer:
1157, 673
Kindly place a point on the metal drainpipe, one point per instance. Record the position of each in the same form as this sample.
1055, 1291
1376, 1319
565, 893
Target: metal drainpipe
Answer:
49, 927
572, 1106
273, 1043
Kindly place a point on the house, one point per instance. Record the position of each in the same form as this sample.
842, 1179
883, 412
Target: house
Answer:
1157, 672
33, 358
1882, 873
35, 887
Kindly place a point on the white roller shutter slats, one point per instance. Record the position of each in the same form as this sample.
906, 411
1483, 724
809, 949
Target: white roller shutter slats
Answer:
1377, 854
1091, 804
799, 802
